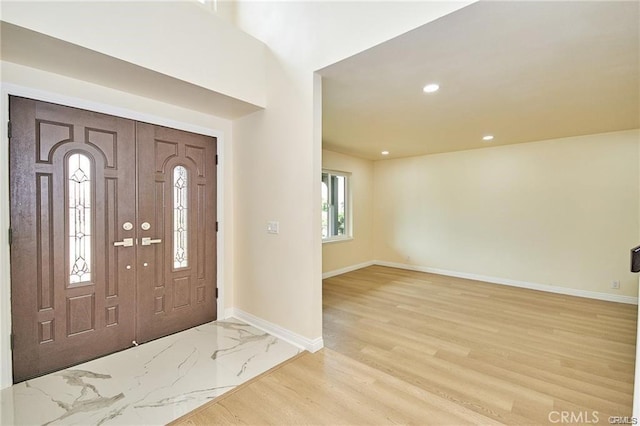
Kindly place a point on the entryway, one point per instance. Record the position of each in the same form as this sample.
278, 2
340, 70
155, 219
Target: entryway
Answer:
113, 234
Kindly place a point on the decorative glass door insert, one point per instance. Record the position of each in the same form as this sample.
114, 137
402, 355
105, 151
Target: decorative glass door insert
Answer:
180, 217
79, 220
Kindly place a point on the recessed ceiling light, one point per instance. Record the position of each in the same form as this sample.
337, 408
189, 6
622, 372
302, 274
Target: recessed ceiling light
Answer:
430, 88
385, 153
487, 138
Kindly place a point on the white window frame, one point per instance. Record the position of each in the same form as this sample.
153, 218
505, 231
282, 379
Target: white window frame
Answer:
348, 208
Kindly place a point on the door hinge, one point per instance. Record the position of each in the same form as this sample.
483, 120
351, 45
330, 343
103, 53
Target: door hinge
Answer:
10, 236
216, 292
9, 129
216, 159
13, 341
217, 226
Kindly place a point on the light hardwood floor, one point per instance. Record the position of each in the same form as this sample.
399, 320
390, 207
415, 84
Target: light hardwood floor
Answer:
414, 348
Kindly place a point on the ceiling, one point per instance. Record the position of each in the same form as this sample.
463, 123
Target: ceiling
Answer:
521, 71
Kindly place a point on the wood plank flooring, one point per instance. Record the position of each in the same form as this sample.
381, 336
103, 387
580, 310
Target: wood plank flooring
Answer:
413, 348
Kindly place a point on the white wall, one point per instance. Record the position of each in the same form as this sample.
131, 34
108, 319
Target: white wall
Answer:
562, 212
181, 39
19, 80
345, 253
278, 150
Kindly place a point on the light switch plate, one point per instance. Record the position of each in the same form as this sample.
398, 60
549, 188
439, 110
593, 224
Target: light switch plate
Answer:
273, 227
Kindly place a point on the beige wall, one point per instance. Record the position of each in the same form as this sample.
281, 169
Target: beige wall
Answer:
562, 212
342, 254
278, 151
181, 39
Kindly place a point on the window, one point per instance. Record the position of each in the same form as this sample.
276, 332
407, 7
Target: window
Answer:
336, 200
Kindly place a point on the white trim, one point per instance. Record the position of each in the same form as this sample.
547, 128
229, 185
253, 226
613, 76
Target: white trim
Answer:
9, 89
220, 235
6, 366
228, 313
339, 239
337, 172
311, 345
45, 96
636, 382
515, 283
346, 269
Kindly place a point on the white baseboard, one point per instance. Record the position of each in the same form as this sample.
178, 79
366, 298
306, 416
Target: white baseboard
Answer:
347, 269
311, 345
228, 313
514, 283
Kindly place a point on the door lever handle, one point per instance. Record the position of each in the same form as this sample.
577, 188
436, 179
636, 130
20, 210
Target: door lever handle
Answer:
147, 241
127, 242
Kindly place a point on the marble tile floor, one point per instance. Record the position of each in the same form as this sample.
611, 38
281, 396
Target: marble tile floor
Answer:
151, 384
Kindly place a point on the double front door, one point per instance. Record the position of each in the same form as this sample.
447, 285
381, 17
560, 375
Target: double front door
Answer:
113, 234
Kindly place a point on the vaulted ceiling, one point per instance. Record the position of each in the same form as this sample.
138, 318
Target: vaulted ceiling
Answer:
520, 71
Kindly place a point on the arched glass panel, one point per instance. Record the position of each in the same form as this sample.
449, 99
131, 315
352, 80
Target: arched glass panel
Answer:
79, 187
180, 217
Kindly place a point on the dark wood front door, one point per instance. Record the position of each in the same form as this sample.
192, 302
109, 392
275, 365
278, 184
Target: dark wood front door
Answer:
177, 254
84, 283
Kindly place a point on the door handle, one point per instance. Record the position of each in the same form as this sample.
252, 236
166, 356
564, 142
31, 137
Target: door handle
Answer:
127, 242
147, 241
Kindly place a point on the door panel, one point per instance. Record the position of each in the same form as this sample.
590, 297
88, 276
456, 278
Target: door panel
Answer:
176, 197
72, 173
